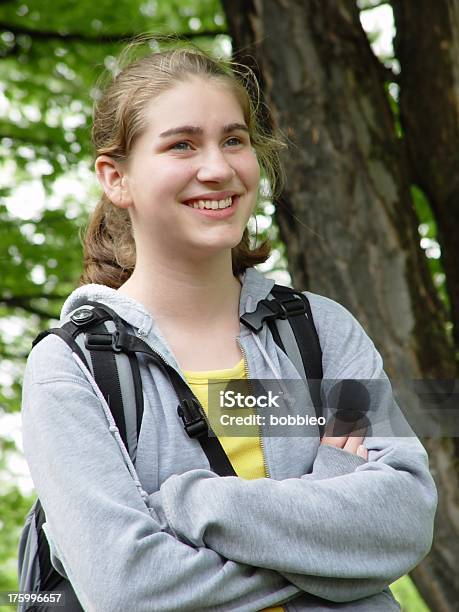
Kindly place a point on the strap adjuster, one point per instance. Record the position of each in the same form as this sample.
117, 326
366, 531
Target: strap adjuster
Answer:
279, 308
118, 342
291, 307
193, 421
83, 316
103, 342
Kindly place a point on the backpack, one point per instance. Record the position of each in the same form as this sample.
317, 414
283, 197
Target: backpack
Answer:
105, 345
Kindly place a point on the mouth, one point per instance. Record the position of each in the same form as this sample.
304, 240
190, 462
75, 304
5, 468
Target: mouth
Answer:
211, 204
214, 208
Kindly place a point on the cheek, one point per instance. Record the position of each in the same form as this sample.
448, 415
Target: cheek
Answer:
175, 182
171, 176
249, 170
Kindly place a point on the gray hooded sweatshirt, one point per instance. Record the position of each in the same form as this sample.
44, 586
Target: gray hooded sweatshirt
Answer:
326, 530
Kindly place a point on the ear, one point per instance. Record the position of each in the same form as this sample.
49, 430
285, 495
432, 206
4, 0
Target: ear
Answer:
113, 182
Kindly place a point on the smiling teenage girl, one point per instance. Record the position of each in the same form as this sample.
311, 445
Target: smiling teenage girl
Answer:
308, 524
195, 151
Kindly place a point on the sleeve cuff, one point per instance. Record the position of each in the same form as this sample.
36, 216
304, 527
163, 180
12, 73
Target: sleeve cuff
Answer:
331, 461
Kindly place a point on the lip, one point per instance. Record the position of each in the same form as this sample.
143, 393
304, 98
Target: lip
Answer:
219, 213
214, 195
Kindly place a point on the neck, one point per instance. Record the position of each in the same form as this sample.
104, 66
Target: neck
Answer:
186, 293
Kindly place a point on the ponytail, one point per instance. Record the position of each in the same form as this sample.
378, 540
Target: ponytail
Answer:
108, 246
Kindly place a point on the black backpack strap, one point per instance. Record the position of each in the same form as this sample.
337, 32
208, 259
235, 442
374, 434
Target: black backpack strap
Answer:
288, 304
103, 347
138, 393
66, 336
99, 342
91, 320
106, 374
107, 378
305, 333
293, 307
48, 575
189, 409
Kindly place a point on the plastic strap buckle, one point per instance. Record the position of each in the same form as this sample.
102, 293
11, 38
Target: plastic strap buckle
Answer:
83, 316
273, 309
117, 342
292, 307
193, 421
102, 342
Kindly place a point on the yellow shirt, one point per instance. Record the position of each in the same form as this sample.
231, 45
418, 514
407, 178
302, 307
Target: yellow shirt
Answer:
244, 452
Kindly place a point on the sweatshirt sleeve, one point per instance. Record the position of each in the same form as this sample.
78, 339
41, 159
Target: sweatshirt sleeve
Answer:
111, 547
343, 532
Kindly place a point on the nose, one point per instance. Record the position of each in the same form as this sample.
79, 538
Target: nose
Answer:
214, 167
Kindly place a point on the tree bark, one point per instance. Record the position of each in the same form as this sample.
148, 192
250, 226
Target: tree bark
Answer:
427, 46
346, 215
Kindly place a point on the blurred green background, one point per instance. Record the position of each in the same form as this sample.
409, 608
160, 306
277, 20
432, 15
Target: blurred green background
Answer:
51, 55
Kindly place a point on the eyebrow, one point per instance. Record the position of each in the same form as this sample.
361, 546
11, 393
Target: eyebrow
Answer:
195, 130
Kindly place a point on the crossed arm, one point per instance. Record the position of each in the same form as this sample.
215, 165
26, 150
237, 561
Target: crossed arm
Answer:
188, 556
340, 538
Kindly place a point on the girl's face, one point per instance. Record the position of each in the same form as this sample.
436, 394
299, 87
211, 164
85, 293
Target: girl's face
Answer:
196, 148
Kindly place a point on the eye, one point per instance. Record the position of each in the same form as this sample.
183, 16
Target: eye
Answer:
236, 140
178, 146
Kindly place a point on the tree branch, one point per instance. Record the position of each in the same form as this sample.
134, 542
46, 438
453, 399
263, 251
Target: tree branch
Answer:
24, 303
96, 38
37, 296
32, 140
12, 356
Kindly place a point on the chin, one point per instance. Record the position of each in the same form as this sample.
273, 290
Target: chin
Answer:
219, 243
212, 249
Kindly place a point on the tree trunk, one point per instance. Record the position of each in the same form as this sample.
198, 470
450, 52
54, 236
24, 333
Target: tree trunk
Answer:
427, 46
346, 215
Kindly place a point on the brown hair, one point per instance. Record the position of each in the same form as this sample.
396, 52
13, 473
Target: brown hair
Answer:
119, 119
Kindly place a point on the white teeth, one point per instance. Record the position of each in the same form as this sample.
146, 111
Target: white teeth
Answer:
212, 204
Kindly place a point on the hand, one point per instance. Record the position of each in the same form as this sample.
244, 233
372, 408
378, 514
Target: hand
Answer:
346, 430
350, 444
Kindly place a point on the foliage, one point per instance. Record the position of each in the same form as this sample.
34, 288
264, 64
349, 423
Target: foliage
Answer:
14, 508
407, 596
51, 55
428, 231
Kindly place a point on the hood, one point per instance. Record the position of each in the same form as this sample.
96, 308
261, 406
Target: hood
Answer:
255, 287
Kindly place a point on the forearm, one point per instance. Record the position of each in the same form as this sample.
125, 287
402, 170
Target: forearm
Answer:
158, 568
117, 557
110, 545
340, 538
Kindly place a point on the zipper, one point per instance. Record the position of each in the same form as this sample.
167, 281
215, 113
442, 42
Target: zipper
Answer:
143, 338
161, 356
260, 436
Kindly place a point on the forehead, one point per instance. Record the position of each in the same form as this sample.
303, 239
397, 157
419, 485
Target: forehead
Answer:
201, 102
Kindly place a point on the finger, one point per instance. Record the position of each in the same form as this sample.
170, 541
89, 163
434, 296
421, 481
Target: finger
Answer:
340, 427
362, 452
338, 442
353, 443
